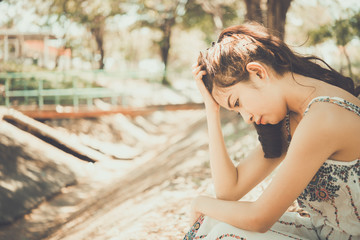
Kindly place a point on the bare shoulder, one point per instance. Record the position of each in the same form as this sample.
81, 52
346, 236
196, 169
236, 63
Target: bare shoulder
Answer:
335, 126
332, 117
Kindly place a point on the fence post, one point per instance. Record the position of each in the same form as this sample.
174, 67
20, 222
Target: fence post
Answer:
26, 97
75, 95
7, 87
89, 99
57, 97
40, 96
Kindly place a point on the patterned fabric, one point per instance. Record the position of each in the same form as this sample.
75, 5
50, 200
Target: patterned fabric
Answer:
287, 124
212, 229
194, 229
332, 199
335, 100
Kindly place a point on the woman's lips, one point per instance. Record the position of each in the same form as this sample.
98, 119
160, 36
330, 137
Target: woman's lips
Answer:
262, 120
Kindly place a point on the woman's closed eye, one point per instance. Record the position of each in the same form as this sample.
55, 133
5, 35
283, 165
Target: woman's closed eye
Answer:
236, 103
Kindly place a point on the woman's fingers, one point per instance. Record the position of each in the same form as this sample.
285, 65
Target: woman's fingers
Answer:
196, 70
198, 74
199, 82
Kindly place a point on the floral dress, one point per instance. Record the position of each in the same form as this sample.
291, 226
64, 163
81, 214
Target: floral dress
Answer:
332, 199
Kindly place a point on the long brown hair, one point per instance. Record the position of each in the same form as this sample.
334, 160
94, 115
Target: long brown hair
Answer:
225, 63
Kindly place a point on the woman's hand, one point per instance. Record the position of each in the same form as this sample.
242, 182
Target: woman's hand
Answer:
209, 101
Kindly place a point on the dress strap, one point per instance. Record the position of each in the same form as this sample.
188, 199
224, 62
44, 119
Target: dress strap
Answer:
287, 125
335, 100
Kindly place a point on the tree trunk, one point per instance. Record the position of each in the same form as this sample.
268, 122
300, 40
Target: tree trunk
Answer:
348, 61
253, 11
276, 16
97, 31
165, 46
54, 137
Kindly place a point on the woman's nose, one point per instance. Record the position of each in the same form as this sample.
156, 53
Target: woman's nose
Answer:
248, 118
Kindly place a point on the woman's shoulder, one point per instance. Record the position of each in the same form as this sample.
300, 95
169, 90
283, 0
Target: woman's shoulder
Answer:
328, 115
325, 112
334, 110
338, 124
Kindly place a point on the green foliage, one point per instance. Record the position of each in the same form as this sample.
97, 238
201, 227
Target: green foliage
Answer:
320, 35
355, 23
230, 14
92, 14
153, 13
341, 30
197, 17
86, 12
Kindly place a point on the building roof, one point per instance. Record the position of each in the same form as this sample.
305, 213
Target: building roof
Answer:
11, 33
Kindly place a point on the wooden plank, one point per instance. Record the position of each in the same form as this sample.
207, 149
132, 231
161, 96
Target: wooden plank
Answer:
53, 136
91, 113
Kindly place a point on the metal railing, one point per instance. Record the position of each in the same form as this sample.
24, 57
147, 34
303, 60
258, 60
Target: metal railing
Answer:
39, 92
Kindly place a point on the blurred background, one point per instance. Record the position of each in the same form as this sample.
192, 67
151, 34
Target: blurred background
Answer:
102, 132
158, 40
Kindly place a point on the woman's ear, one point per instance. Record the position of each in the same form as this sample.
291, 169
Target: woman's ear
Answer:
258, 69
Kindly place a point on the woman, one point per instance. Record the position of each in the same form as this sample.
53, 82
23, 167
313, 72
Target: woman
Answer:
254, 73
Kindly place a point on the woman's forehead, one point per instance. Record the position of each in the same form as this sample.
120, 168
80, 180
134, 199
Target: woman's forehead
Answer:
221, 95
220, 91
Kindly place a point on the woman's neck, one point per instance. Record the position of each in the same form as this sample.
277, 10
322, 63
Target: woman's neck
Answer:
300, 90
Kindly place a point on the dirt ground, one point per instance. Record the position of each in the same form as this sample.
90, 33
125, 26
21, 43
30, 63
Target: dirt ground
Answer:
147, 197
159, 164
162, 211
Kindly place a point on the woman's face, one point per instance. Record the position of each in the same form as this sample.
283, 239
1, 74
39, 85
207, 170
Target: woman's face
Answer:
259, 102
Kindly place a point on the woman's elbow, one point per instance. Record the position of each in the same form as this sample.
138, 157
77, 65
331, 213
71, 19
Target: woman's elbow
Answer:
257, 227
254, 225
226, 196
262, 229
261, 224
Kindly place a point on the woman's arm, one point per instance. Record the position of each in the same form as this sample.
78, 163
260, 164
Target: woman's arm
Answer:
313, 142
231, 183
